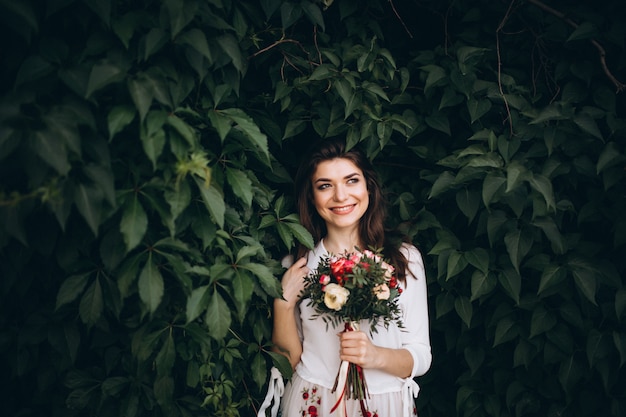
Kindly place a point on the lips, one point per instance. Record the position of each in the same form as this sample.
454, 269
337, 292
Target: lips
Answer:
343, 209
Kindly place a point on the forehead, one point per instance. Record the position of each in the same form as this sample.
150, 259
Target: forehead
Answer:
336, 168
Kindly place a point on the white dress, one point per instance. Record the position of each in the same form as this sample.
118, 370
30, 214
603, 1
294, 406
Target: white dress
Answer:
308, 392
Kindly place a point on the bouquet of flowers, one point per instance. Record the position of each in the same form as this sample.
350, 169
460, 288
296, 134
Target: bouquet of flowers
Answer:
346, 289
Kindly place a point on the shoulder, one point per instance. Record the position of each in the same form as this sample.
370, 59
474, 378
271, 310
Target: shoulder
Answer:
415, 262
411, 253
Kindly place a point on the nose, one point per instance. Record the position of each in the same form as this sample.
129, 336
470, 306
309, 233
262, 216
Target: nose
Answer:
340, 193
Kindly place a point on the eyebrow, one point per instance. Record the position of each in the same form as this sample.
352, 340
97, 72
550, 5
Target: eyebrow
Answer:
347, 177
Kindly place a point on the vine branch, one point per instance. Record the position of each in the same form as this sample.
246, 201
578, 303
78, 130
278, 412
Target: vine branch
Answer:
601, 51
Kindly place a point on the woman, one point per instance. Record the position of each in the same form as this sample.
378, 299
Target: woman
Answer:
341, 203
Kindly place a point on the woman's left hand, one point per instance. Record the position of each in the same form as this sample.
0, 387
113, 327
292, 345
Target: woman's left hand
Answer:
357, 348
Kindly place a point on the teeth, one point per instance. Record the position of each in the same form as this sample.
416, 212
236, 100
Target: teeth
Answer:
342, 209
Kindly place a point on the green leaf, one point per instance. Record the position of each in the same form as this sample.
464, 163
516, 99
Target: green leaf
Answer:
440, 122
620, 303
493, 184
213, 201
259, 369
102, 8
541, 322
88, 201
268, 281
285, 234
571, 372
478, 108
518, 243
184, 129
230, 46
482, 284
506, 330
151, 286
289, 14
134, 223
598, 346
152, 42
463, 307
468, 201
586, 282
300, 233
478, 258
444, 304
587, 124
241, 185
511, 282
474, 356
585, 30
153, 137
114, 386
51, 149
243, 287
515, 174
164, 360
314, 13
551, 276
103, 74
217, 317
281, 363
443, 183
92, 304
178, 198
71, 288
181, 13
435, 74
251, 131
609, 157
456, 264
552, 232
619, 339
196, 303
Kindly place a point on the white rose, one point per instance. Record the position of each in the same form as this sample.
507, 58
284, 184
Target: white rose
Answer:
335, 296
382, 292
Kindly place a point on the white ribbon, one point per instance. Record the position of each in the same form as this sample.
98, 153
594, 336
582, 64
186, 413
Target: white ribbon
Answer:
275, 391
410, 390
342, 387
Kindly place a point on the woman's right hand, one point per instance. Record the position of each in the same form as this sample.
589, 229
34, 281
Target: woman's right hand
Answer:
293, 281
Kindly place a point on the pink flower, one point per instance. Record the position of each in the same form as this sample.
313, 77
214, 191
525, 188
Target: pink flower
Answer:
324, 279
389, 270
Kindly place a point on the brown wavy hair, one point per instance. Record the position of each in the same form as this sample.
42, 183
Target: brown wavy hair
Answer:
372, 230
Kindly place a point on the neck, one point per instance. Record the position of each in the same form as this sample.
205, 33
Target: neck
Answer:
342, 242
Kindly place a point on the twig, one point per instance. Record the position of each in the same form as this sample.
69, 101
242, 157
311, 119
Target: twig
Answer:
618, 84
498, 30
393, 7
275, 44
317, 47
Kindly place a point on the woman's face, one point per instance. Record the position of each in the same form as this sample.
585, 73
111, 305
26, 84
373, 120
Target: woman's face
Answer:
339, 193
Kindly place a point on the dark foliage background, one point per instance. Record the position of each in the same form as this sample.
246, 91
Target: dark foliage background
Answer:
147, 150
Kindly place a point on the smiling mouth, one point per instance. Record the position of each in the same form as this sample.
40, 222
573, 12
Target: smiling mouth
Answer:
343, 209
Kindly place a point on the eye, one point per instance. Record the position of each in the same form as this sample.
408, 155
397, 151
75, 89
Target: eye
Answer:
353, 180
323, 186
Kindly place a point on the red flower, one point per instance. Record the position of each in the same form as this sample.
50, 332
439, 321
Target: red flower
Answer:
305, 395
313, 410
393, 282
341, 267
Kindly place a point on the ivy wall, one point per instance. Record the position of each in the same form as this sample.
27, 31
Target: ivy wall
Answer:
147, 150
